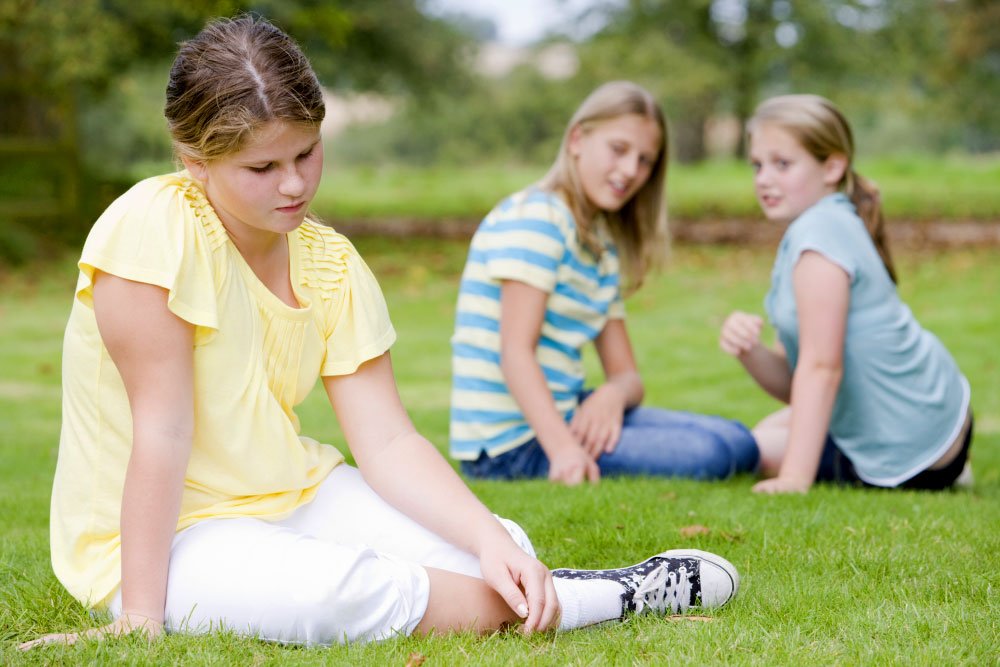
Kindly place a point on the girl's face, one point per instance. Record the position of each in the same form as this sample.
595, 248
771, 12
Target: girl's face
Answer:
266, 187
614, 158
787, 178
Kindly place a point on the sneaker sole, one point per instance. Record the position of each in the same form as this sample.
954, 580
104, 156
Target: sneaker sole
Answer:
719, 579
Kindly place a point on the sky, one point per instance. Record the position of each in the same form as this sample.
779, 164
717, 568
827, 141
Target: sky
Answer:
521, 22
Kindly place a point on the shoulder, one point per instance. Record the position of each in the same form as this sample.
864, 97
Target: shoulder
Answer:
161, 206
160, 216
149, 195
532, 211
832, 228
834, 215
327, 257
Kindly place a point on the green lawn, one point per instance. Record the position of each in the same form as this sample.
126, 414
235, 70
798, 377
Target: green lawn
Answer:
840, 576
914, 188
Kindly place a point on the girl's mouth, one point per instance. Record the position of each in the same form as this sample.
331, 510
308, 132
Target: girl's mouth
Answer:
294, 208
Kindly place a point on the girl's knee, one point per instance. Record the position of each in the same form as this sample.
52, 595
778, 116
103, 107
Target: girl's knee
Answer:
718, 461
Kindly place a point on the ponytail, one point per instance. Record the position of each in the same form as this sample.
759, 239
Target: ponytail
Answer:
867, 199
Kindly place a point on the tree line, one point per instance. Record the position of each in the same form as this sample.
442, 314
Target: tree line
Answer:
81, 82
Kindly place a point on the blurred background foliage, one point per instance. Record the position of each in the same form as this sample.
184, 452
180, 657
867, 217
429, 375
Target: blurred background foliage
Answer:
82, 84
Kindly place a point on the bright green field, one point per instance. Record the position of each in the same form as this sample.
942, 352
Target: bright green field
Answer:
913, 188
840, 576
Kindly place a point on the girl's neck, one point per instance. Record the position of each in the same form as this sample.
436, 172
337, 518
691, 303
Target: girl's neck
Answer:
257, 245
268, 256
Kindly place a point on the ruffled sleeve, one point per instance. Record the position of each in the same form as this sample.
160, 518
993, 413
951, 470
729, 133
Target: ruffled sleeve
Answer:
162, 232
357, 324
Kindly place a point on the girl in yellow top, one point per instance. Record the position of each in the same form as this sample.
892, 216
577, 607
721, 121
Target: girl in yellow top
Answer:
207, 306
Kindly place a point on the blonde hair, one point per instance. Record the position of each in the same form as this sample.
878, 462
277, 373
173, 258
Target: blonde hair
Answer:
639, 228
233, 77
824, 131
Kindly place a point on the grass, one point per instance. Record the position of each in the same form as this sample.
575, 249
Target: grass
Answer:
840, 576
913, 187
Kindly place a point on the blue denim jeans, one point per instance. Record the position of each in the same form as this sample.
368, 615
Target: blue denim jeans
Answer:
654, 441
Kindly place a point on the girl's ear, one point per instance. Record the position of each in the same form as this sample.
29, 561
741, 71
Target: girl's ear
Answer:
834, 169
196, 168
575, 136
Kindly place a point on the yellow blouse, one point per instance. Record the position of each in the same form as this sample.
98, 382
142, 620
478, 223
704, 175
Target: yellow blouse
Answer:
255, 359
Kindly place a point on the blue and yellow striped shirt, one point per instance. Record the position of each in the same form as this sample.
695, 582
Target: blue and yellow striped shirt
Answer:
529, 237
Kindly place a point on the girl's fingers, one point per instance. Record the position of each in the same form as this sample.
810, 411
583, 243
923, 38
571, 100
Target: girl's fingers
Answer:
613, 437
540, 595
550, 614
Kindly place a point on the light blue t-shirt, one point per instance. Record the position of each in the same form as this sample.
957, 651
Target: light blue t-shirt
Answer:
530, 237
902, 400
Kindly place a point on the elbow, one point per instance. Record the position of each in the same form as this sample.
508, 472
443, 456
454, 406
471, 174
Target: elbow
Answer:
825, 371
513, 359
638, 391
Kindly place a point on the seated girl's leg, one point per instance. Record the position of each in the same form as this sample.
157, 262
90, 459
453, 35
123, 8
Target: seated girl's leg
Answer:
772, 437
527, 461
260, 579
771, 434
348, 511
680, 444
345, 567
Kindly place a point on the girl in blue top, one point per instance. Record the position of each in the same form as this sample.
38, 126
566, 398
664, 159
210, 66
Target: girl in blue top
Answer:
873, 398
542, 281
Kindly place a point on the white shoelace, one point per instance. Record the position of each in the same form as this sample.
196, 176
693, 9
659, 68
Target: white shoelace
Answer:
662, 589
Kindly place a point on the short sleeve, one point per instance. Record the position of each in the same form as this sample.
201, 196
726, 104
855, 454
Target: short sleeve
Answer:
616, 309
156, 233
526, 240
830, 230
358, 325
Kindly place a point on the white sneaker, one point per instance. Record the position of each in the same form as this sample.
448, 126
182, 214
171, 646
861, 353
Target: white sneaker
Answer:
670, 582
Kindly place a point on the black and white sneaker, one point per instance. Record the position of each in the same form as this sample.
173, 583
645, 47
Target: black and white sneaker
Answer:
670, 582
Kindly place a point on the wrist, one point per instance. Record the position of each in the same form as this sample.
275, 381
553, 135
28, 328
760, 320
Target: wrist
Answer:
138, 619
560, 448
797, 479
614, 392
491, 535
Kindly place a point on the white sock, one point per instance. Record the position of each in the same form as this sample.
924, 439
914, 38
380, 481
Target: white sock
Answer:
588, 601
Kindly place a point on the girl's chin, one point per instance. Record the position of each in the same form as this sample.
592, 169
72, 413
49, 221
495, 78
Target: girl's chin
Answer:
776, 216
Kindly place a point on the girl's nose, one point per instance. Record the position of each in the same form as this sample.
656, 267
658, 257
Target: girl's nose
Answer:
629, 165
292, 184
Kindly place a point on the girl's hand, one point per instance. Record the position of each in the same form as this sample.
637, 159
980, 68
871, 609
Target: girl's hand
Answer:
740, 333
573, 465
125, 624
523, 582
597, 423
782, 485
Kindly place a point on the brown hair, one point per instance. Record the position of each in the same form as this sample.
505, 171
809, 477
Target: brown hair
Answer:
823, 131
233, 77
639, 228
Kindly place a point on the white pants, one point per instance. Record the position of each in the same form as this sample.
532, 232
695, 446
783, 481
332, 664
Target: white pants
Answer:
345, 567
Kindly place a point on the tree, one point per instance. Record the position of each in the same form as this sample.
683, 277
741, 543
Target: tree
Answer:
723, 54
60, 56
970, 80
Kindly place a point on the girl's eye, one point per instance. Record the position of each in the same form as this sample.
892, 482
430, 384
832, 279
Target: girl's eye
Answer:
261, 170
618, 149
783, 164
309, 152
755, 165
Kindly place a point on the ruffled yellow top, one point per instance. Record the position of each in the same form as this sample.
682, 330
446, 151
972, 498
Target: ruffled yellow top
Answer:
255, 359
